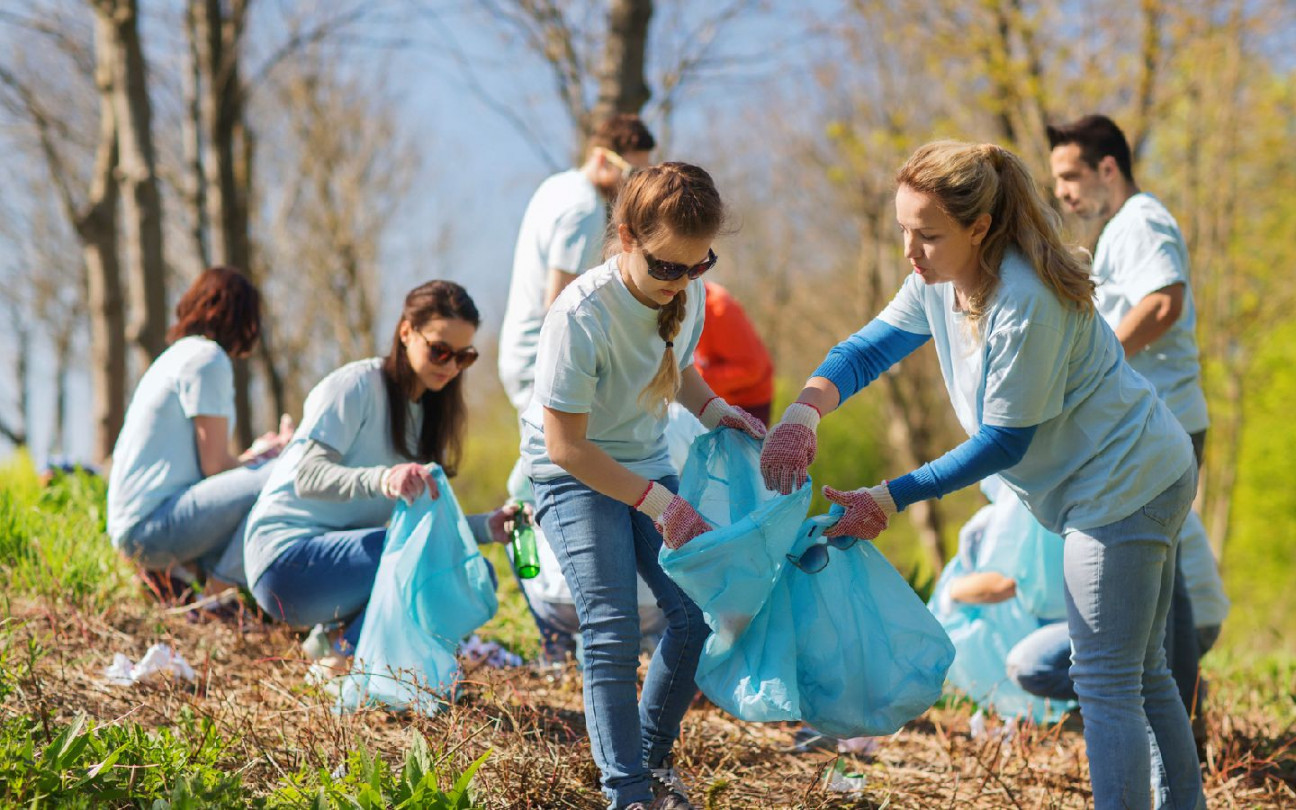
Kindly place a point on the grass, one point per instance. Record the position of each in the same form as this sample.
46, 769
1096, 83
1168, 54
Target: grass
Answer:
250, 733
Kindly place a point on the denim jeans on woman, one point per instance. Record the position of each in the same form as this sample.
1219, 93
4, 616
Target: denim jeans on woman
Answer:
324, 579
1119, 582
202, 524
601, 543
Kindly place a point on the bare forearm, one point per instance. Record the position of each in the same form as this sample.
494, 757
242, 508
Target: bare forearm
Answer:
593, 467
820, 393
982, 588
1149, 319
694, 391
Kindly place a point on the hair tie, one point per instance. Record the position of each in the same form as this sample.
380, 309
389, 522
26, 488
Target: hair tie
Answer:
670, 343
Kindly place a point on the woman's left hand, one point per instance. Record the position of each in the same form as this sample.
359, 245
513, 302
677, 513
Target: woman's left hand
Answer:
718, 413
868, 511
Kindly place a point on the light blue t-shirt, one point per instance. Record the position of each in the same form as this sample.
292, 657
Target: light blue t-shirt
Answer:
1140, 251
347, 411
598, 349
1105, 444
562, 229
156, 455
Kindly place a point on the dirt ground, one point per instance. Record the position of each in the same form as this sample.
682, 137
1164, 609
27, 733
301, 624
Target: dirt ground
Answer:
251, 683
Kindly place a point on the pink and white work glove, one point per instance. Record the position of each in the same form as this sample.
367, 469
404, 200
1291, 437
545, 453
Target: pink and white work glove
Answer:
868, 511
718, 413
790, 448
407, 482
674, 518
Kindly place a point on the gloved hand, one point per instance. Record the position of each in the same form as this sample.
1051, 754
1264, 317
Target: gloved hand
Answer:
718, 413
407, 481
868, 511
674, 518
790, 448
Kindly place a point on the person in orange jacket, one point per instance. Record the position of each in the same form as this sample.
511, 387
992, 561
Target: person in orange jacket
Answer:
731, 356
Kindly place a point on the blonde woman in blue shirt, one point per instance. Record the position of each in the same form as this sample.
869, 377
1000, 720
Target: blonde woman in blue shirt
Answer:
1041, 386
616, 347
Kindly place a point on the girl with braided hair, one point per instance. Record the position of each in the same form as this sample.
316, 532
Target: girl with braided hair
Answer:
615, 349
1043, 390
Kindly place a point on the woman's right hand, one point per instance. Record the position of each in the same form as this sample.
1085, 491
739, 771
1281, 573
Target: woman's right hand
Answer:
790, 449
407, 482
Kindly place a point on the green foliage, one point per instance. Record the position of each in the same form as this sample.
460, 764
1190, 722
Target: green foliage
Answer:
1259, 556
84, 765
52, 540
367, 782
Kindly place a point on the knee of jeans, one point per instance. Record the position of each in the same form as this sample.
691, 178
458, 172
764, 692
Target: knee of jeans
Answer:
613, 640
1108, 679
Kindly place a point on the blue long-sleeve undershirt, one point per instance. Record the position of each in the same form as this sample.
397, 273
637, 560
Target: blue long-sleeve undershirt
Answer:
990, 450
861, 358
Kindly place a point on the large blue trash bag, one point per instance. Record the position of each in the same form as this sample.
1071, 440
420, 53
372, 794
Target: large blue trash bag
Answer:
1003, 538
851, 650
433, 587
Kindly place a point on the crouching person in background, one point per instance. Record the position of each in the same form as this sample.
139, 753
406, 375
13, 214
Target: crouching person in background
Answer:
177, 497
315, 536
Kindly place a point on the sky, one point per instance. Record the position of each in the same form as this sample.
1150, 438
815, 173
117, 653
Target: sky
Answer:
452, 73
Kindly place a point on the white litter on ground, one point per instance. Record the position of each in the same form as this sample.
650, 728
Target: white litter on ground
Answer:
159, 659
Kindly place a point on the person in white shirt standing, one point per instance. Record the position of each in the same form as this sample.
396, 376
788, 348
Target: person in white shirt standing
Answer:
1141, 269
562, 235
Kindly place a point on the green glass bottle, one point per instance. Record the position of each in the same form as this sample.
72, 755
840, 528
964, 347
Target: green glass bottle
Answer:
526, 557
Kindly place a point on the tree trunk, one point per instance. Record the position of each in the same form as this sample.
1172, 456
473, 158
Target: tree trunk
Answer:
218, 41
622, 86
192, 124
142, 204
96, 227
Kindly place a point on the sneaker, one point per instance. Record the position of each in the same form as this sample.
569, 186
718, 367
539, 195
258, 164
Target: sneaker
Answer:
671, 801
669, 790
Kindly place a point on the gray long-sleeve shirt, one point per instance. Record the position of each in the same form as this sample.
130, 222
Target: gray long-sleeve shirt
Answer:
321, 475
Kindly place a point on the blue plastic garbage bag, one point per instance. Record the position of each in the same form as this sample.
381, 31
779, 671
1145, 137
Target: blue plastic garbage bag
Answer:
997, 538
850, 650
433, 587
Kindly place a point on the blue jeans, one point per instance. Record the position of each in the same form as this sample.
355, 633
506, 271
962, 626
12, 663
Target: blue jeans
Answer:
1119, 582
323, 580
600, 544
202, 524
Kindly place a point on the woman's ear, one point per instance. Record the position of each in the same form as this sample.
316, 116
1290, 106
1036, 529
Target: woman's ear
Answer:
980, 227
626, 237
404, 331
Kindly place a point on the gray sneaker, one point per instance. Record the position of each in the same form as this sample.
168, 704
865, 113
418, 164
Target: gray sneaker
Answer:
669, 789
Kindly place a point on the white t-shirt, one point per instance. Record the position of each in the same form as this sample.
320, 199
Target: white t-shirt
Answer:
599, 347
1139, 252
156, 454
1201, 574
1105, 445
562, 229
347, 411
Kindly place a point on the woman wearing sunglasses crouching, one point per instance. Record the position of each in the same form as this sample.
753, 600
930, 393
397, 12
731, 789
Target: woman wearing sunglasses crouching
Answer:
615, 349
315, 536
1041, 386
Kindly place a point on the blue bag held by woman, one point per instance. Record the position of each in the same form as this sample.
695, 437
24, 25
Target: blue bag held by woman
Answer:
850, 649
433, 587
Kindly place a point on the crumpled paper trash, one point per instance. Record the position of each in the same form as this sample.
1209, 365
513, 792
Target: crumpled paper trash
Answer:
978, 728
839, 781
160, 658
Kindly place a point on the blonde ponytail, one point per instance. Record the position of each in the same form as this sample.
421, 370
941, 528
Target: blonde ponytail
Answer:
969, 180
665, 384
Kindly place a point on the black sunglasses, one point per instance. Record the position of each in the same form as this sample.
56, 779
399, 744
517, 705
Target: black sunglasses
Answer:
441, 353
670, 271
815, 558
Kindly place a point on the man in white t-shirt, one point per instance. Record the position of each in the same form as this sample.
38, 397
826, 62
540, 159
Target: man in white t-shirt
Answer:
561, 236
1141, 268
